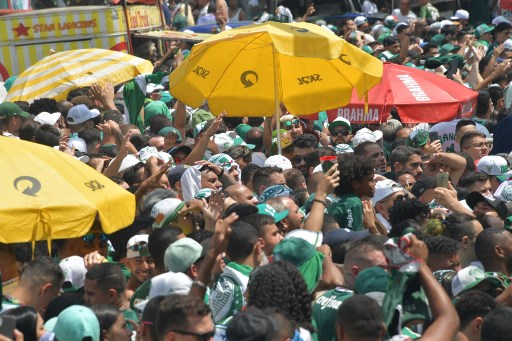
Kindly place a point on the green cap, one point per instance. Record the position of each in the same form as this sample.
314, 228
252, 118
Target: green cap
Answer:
166, 130
269, 210
76, 323
482, 29
438, 39
304, 256
367, 49
447, 48
204, 193
418, 138
242, 130
153, 109
374, 279
200, 116
166, 97
9, 109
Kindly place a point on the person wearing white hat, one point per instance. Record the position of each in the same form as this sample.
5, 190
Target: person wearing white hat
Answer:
361, 23
47, 118
386, 192
497, 168
462, 16
139, 262
278, 161
364, 135
80, 116
341, 131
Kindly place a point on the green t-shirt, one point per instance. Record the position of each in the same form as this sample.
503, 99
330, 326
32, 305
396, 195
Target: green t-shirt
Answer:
325, 309
348, 212
227, 295
140, 294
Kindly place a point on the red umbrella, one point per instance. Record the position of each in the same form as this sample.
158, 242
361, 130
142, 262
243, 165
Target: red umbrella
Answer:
418, 95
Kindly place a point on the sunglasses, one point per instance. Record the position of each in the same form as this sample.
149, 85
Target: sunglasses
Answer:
298, 159
201, 337
140, 246
295, 123
340, 132
89, 237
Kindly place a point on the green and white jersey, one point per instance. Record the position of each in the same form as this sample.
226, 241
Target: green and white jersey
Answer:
227, 295
325, 309
348, 212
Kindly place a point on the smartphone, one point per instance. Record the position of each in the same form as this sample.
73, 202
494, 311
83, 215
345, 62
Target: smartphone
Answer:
433, 136
442, 179
327, 162
452, 69
7, 325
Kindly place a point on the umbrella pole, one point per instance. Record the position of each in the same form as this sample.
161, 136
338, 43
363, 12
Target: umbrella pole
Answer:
276, 95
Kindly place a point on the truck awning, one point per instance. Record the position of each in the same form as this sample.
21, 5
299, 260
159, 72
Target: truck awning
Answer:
173, 35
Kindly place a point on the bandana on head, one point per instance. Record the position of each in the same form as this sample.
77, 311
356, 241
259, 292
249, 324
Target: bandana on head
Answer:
275, 191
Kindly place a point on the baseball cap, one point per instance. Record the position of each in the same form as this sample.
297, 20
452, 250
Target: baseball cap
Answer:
499, 19
287, 118
438, 39
181, 254
80, 113
384, 189
278, 161
364, 135
47, 118
359, 20
343, 148
78, 143
447, 48
9, 109
269, 210
152, 87
166, 97
460, 14
494, 165
242, 130
275, 191
166, 211
76, 323
128, 161
204, 193
483, 29
390, 21
166, 130
147, 152
169, 283
507, 45
285, 142
74, 271
372, 282
474, 198
389, 40
250, 325
304, 256
504, 191
340, 121
137, 246
469, 277
175, 174
424, 183
418, 138
224, 141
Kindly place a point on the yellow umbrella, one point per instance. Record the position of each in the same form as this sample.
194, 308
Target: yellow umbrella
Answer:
249, 71
48, 194
54, 76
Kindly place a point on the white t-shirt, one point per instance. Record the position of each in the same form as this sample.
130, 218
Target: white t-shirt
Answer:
446, 131
403, 18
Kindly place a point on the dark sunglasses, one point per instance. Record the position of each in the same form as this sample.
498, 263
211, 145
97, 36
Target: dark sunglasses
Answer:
298, 159
340, 133
201, 337
89, 237
295, 123
140, 246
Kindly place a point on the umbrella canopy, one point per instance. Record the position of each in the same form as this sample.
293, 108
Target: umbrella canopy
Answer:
54, 76
247, 70
49, 194
418, 95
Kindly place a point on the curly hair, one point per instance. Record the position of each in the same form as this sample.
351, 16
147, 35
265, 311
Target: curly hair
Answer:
280, 285
408, 208
354, 168
43, 104
442, 245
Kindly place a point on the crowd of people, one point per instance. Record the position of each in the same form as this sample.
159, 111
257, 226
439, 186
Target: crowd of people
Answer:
390, 231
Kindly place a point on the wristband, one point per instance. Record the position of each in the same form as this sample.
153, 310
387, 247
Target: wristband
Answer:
320, 201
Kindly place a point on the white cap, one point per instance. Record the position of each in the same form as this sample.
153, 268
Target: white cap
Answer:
313, 238
364, 135
384, 189
507, 44
128, 161
360, 20
147, 152
368, 38
153, 87
169, 283
78, 143
74, 273
80, 113
470, 277
278, 161
460, 14
494, 165
499, 19
137, 240
446, 22
504, 191
47, 118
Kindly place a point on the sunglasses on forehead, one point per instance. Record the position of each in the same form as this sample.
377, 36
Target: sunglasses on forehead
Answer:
292, 123
139, 247
89, 237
